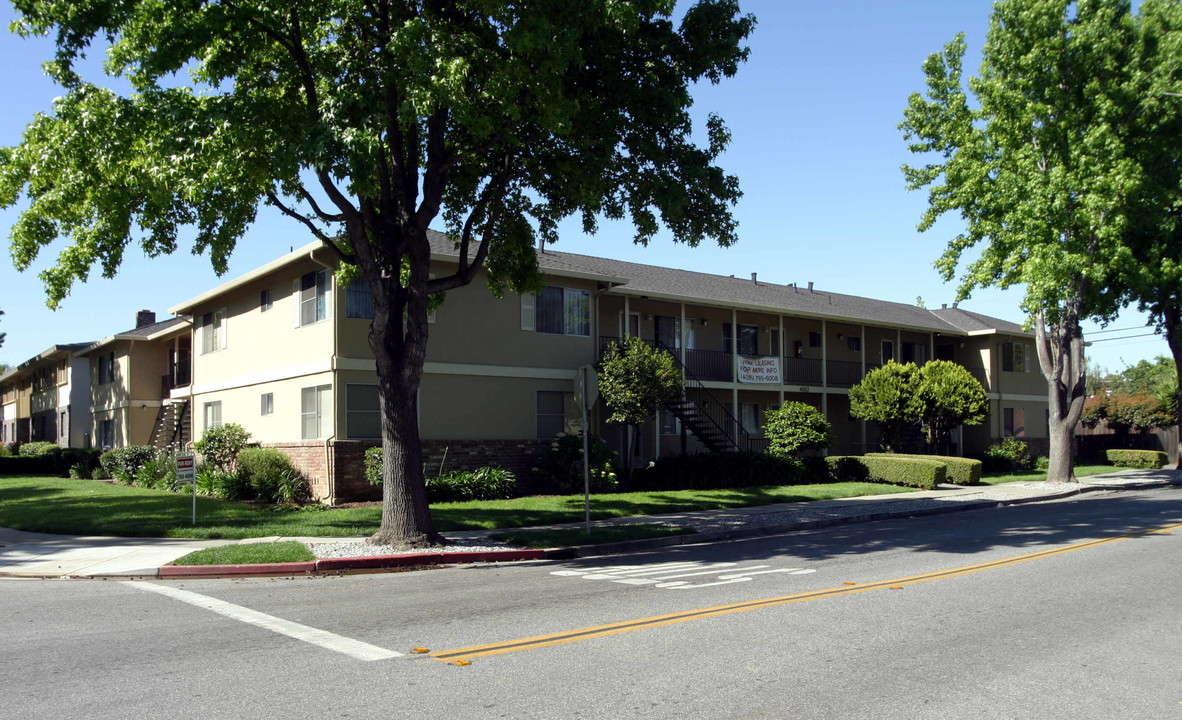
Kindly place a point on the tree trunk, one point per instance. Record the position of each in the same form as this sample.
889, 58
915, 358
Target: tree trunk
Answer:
1061, 358
1172, 322
400, 354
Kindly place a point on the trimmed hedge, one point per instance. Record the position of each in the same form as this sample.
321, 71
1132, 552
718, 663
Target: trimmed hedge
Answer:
1152, 459
28, 465
925, 474
961, 471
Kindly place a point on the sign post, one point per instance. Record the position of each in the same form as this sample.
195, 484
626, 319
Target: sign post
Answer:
186, 473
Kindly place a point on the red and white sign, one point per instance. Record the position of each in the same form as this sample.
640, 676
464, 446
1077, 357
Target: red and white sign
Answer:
186, 468
759, 370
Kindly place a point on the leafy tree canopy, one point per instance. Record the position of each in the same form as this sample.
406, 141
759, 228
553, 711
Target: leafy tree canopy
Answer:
635, 378
886, 396
797, 426
947, 395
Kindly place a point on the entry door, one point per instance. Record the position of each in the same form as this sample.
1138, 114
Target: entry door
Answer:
668, 331
888, 351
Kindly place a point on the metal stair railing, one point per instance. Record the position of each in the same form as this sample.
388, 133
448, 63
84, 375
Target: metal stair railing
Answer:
718, 420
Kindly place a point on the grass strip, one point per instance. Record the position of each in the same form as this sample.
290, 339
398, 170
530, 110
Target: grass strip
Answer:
86, 507
249, 554
566, 537
1040, 475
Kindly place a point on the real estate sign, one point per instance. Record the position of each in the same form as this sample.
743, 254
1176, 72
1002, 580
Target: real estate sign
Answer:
759, 370
186, 468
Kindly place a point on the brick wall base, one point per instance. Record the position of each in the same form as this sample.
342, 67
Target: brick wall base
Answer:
340, 477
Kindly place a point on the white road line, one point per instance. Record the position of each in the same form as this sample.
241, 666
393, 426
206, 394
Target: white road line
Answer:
323, 638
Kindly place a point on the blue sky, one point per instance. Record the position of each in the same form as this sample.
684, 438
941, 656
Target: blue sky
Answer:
813, 115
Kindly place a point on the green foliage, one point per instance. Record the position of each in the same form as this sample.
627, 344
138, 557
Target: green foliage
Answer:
158, 473
5, 451
960, 471
717, 471
893, 469
1009, 455
886, 396
1128, 412
123, 464
37, 449
373, 465
635, 378
560, 468
486, 483
271, 476
84, 461
946, 396
796, 426
220, 445
212, 482
1152, 459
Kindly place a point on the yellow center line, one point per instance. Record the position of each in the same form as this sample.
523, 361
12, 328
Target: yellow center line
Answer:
589, 633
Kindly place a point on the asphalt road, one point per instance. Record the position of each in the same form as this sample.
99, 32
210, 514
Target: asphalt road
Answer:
1055, 610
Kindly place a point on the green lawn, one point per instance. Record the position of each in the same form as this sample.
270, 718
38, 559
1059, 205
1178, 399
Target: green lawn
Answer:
87, 507
1038, 475
249, 554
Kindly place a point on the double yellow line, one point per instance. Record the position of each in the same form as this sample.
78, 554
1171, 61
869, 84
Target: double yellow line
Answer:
466, 654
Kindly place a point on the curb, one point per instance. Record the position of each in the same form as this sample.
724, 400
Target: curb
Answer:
373, 562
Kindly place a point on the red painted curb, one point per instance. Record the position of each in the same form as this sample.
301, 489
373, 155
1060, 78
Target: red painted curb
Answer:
293, 568
379, 561
493, 556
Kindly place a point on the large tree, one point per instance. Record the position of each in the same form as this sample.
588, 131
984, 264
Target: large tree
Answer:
946, 396
1035, 157
364, 121
1155, 236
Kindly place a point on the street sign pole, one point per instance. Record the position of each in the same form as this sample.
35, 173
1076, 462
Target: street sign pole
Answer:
586, 451
186, 472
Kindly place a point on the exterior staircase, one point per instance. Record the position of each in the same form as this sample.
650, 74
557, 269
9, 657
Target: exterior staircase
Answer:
703, 416
173, 425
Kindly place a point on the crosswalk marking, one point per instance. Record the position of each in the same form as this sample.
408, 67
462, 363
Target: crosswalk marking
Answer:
667, 576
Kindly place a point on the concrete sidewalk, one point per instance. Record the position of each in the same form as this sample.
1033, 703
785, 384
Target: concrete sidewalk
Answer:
39, 555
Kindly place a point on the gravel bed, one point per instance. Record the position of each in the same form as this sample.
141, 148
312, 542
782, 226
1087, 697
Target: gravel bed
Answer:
361, 549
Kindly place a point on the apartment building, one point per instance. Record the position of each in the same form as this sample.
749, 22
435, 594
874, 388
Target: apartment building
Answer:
46, 398
132, 379
283, 351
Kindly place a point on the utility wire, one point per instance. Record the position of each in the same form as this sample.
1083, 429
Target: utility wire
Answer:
1123, 337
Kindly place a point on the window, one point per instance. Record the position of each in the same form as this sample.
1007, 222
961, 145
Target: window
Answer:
213, 415
773, 345
814, 339
670, 425
853, 343
748, 339
62, 429
667, 331
267, 404
315, 411
749, 418
106, 368
797, 348
106, 434
363, 419
552, 405
358, 300
557, 311
888, 351
311, 292
915, 353
1014, 422
1014, 357
265, 300
213, 331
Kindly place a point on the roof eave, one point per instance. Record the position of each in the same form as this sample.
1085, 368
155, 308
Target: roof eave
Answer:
186, 307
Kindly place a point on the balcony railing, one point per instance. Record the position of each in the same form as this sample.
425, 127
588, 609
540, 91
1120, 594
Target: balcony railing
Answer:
843, 373
802, 371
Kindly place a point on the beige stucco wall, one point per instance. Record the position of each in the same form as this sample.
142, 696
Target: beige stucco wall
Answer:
472, 407
243, 405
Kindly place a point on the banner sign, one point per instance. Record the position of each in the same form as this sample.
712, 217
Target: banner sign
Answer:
759, 370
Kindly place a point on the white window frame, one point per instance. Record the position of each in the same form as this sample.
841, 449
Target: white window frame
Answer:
1018, 355
267, 404
211, 415
212, 331
321, 414
266, 300
529, 311
320, 278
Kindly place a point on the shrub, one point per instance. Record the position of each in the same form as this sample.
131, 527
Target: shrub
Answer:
1009, 455
796, 426
37, 449
1152, 459
123, 464
961, 471
219, 446
159, 473
560, 468
1042, 462
373, 465
212, 482
715, 471
896, 470
25, 465
486, 483
83, 461
5, 451
271, 476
